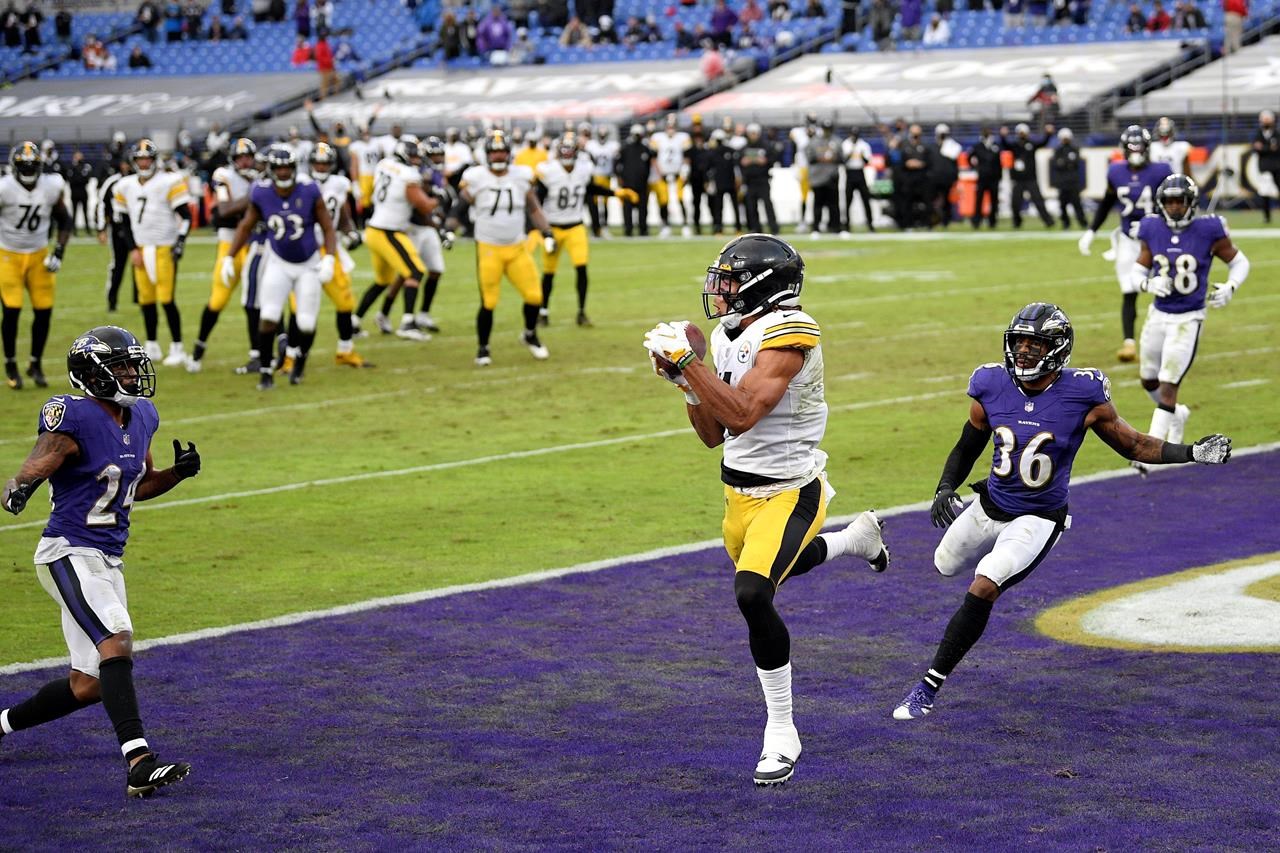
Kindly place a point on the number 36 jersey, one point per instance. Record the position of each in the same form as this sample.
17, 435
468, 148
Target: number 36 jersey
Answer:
498, 203
1184, 257
25, 214
1036, 436
92, 493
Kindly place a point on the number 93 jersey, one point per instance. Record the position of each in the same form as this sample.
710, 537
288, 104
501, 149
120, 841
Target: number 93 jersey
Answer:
566, 191
1036, 436
25, 214
291, 220
1184, 257
92, 493
498, 203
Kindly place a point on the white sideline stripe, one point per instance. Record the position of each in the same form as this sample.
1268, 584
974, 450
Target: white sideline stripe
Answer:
522, 580
1245, 383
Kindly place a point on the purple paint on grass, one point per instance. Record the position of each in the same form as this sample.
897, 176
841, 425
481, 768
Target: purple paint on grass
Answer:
620, 710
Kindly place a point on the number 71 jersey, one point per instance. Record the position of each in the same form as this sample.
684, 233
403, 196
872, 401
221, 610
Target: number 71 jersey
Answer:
498, 202
1036, 436
92, 493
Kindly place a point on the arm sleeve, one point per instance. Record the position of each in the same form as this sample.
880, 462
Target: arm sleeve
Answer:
966, 452
1104, 208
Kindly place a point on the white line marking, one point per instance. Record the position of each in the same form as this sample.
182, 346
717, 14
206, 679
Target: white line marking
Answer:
530, 578
1245, 383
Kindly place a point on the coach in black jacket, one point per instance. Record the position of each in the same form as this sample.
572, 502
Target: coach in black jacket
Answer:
1065, 176
985, 160
633, 168
1023, 171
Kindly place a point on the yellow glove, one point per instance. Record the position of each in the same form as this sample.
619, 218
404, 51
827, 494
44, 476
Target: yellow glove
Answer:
630, 196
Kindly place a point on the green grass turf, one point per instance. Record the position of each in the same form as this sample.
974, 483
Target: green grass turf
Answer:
902, 320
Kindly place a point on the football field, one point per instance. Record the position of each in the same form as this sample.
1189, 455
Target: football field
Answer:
426, 473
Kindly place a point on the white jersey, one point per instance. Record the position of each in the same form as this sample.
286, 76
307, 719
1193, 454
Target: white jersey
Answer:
301, 149
391, 208
25, 214
228, 186
603, 156
498, 202
150, 206
386, 145
364, 156
334, 190
856, 153
1174, 153
783, 445
457, 156
802, 139
670, 148
566, 191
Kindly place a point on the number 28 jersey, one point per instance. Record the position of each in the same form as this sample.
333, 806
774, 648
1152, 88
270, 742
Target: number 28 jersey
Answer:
1036, 436
1184, 257
25, 214
92, 493
498, 203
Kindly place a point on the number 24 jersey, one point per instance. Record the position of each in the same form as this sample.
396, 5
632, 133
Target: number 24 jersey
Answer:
498, 203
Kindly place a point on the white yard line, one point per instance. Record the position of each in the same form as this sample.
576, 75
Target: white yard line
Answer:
518, 580
1245, 383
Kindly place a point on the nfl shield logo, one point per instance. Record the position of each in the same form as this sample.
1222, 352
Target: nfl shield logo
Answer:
1029, 406
126, 439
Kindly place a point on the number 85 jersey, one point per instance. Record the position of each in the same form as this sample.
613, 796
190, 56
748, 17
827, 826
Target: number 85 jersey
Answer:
1036, 435
92, 493
498, 203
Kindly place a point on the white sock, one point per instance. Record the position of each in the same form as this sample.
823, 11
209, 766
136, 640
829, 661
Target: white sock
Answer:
780, 731
836, 543
1177, 424
1160, 423
292, 352
344, 346
406, 319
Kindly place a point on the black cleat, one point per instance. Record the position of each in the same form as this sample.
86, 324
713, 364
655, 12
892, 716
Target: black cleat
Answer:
583, 320
250, 367
11, 376
149, 774
544, 319
36, 372
266, 381
295, 372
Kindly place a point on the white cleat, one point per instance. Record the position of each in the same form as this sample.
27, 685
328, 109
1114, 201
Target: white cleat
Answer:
424, 321
194, 366
384, 325
530, 339
664, 233
177, 355
356, 331
863, 537
483, 358
773, 768
411, 333
153, 350
686, 231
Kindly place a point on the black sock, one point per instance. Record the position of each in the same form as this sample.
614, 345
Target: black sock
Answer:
49, 703
410, 299
208, 319
253, 317
1129, 314
964, 629
770, 641
388, 304
484, 325
814, 554
531, 317
174, 317
150, 321
370, 296
1170, 409
582, 289
548, 280
40, 332
266, 345
345, 330
429, 291
121, 702
9, 325
293, 333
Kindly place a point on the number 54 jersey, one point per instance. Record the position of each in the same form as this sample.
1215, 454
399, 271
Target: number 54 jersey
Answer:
498, 204
92, 494
1036, 435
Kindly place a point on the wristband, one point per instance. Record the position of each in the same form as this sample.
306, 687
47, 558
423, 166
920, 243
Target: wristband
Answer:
1172, 454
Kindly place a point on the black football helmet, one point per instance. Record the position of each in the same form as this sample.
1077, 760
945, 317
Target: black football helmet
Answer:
145, 149
408, 150
26, 163
754, 273
323, 160
1135, 142
497, 151
567, 150
1165, 129
107, 362
244, 154
433, 150
1178, 187
280, 159
1048, 324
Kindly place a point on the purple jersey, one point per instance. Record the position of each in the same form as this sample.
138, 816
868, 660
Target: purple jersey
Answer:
1036, 436
291, 219
92, 492
1136, 191
1183, 256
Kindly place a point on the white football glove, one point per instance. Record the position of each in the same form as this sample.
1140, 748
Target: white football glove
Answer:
228, 271
549, 244
1086, 240
1221, 294
447, 238
52, 262
670, 341
1158, 285
326, 269
351, 240
1211, 450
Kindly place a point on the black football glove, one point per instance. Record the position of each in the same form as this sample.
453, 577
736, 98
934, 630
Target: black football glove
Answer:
946, 506
179, 247
16, 497
186, 463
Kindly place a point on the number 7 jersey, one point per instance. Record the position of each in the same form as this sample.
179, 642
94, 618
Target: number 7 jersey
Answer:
498, 203
1036, 435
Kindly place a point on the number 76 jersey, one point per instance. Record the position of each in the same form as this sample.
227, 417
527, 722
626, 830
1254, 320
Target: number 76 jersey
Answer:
25, 214
92, 493
1035, 436
498, 203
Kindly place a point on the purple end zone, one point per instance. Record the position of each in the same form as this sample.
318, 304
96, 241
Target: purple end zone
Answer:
620, 710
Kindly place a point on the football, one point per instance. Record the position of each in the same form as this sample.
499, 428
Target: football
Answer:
697, 340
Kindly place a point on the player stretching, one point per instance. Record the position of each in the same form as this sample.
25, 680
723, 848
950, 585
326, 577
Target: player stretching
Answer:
95, 451
1038, 412
761, 397
29, 202
1133, 183
292, 209
1177, 249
